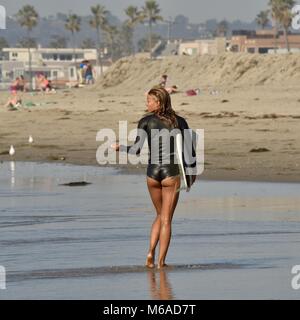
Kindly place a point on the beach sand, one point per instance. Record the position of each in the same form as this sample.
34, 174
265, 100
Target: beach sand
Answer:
257, 107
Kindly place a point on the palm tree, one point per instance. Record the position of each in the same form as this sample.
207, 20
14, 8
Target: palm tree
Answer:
275, 9
262, 19
125, 41
27, 17
73, 25
150, 14
111, 33
99, 21
134, 17
282, 17
286, 21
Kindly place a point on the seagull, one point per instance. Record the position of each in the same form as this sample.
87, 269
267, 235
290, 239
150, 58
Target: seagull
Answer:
30, 140
12, 151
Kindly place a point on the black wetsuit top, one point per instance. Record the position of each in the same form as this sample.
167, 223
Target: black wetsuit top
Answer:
162, 161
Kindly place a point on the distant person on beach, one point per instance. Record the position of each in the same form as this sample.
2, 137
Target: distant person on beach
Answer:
89, 74
81, 71
46, 84
18, 84
38, 80
22, 84
15, 85
163, 81
14, 102
163, 175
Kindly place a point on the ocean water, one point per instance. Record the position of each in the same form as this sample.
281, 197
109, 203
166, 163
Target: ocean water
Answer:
231, 240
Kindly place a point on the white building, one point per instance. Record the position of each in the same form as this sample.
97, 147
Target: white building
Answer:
60, 65
205, 46
49, 54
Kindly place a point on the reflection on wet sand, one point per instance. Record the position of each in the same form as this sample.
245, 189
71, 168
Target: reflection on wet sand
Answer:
159, 285
12, 167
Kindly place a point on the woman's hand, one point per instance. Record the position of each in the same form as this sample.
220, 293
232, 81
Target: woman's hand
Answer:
115, 146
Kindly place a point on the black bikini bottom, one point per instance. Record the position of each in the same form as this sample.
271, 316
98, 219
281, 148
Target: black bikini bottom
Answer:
160, 172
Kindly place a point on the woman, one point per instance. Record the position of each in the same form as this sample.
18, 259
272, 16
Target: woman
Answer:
22, 84
46, 85
15, 85
163, 176
163, 81
89, 77
14, 102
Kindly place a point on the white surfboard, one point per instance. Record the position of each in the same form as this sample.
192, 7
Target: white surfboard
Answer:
179, 153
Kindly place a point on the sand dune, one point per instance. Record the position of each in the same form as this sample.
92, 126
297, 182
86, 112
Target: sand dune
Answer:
224, 70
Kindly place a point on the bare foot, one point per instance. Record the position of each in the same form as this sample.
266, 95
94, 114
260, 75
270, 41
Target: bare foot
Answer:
162, 266
150, 261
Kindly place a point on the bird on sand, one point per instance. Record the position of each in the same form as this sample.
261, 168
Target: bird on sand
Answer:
12, 151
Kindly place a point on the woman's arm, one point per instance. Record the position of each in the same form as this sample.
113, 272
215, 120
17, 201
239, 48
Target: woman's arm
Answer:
136, 148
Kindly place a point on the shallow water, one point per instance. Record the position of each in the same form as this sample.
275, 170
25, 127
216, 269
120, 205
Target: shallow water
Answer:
231, 240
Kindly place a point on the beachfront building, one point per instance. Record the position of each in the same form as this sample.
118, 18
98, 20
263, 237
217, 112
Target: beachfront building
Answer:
204, 46
60, 65
49, 54
262, 41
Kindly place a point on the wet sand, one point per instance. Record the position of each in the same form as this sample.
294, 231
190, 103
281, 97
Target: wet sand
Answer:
231, 240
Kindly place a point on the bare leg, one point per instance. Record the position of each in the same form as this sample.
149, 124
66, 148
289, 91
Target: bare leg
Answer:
169, 202
155, 190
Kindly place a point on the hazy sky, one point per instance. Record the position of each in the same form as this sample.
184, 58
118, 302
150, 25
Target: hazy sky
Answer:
195, 10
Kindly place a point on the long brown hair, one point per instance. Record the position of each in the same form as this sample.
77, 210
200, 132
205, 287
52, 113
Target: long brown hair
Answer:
165, 112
